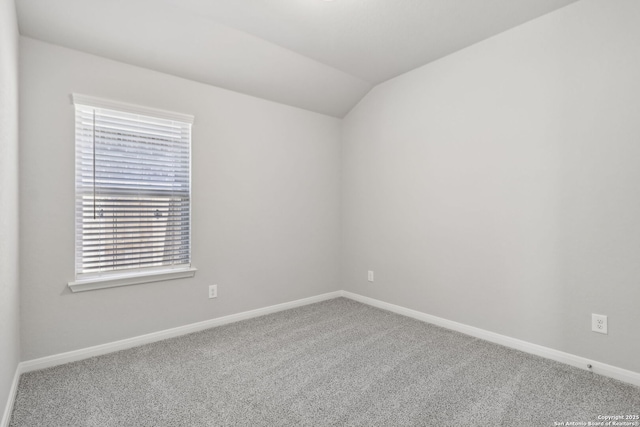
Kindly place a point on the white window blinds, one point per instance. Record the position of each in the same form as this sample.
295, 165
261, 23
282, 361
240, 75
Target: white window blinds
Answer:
133, 193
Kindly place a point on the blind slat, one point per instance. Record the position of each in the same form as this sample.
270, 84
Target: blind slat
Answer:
88, 245
137, 264
116, 246
131, 255
129, 229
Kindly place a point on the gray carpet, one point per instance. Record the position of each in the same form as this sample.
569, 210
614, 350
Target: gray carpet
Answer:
335, 363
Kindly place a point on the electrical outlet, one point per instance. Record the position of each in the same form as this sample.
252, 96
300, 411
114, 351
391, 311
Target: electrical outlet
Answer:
213, 291
599, 323
370, 276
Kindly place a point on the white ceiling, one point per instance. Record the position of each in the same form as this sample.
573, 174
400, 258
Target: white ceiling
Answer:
318, 55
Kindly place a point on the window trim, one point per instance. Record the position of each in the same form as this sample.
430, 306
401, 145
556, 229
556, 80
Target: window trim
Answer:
113, 280
92, 101
135, 276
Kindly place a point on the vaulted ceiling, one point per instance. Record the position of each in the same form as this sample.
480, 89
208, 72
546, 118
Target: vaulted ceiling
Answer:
319, 55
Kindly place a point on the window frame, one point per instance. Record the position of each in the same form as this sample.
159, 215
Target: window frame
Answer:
125, 277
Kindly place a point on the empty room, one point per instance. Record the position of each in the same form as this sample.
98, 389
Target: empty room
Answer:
319, 213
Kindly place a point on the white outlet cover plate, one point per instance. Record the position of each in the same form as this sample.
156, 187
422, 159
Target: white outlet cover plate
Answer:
213, 291
599, 323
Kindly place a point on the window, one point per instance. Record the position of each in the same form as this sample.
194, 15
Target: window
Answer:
133, 194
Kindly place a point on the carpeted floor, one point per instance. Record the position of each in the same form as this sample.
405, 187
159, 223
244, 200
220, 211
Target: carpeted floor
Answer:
334, 363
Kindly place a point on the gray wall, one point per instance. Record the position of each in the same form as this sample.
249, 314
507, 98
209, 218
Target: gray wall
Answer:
499, 186
9, 291
265, 203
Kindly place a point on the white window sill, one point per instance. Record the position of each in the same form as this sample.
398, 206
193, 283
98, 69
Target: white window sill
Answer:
129, 279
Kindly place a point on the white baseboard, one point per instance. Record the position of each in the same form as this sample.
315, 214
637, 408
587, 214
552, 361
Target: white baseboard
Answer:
85, 353
6, 417
527, 347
